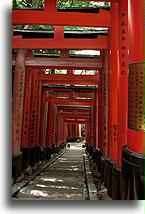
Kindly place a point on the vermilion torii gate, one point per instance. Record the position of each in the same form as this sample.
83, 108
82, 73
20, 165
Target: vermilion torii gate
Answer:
116, 119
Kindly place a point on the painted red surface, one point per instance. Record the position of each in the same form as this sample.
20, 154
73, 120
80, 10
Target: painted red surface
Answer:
18, 96
112, 82
26, 109
123, 79
136, 54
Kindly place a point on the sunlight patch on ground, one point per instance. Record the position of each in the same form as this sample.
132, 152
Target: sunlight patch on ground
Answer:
70, 195
40, 185
75, 147
61, 187
39, 193
51, 179
62, 158
75, 169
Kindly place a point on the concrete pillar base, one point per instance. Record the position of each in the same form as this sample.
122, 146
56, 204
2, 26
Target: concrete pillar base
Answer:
105, 173
116, 183
27, 171
102, 166
133, 175
32, 154
59, 147
63, 145
53, 148
43, 155
110, 164
48, 153
56, 149
16, 165
25, 158
90, 150
37, 154
98, 159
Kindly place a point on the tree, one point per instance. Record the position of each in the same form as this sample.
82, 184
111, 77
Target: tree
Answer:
61, 3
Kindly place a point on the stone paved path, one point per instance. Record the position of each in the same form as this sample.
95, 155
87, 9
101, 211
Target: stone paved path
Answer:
63, 180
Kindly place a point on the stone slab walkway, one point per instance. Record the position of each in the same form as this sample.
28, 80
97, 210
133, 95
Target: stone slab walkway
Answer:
62, 180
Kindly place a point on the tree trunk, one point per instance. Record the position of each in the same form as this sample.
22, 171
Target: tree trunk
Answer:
14, 3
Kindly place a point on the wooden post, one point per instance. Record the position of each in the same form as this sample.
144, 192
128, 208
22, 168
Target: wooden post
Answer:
33, 116
95, 118
43, 126
105, 103
49, 129
17, 111
113, 82
26, 120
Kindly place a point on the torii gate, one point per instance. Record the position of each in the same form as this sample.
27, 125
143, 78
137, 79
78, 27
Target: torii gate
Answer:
125, 127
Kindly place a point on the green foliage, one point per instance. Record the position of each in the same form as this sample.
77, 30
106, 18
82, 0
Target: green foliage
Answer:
27, 4
61, 3
66, 3
35, 27
47, 51
78, 28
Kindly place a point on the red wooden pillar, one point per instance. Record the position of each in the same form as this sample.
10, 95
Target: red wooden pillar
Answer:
65, 134
26, 120
49, 130
72, 130
87, 132
105, 103
62, 132
100, 113
17, 111
70, 133
33, 116
100, 149
39, 98
112, 99
50, 5
57, 127
133, 154
122, 79
112, 82
77, 130
79, 126
68, 130
95, 118
43, 125
122, 96
91, 127
54, 126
